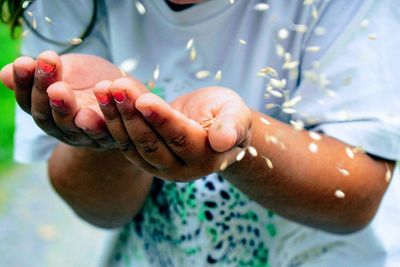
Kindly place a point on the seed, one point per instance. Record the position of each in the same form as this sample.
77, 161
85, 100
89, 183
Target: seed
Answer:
278, 83
193, 53
76, 41
292, 102
297, 125
289, 110
156, 73
34, 23
218, 75
280, 51
388, 175
261, 7
30, 14
202, 74
267, 71
290, 65
128, 65
140, 8
320, 31
314, 13
269, 162
25, 4
252, 151
283, 34
265, 121
313, 147
308, 2
189, 44
48, 20
223, 166
313, 49
276, 93
349, 152
242, 42
339, 194
364, 23
343, 172
240, 155
270, 105
372, 37
231, 2
314, 136
301, 28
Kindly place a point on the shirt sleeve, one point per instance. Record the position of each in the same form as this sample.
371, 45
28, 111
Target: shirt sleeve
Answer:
61, 21
350, 88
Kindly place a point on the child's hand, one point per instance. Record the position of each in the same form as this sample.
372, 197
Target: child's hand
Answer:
57, 92
171, 143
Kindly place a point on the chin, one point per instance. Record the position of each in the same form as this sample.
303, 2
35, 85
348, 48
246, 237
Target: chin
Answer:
185, 2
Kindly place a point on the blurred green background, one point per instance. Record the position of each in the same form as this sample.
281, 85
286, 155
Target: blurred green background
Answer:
9, 50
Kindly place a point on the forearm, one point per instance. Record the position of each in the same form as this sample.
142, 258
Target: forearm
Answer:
301, 185
101, 187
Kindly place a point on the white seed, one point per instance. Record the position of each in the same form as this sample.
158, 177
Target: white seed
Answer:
269, 162
331, 93
308, 2
349, 152
314, 13
313, 49
189, 44
218, 75
292, 102
313, 147
76, 41
25, 4
358, 149
388, 174
297, 125
280, 50
343, 172
289, 110
314, 135
223, 166
264, 121
48, 20
364, 23
25, 33
128, 65
339, 193
156, 73
193, 53
267, 71
283, 34
34, 23
320, 31
279, 84
231, 2
140, 8
242, 42
252, 151
270, 105
30, 14
301, 28
276, 93
202, 74
372, 37
240, 155
289, 65
261, 7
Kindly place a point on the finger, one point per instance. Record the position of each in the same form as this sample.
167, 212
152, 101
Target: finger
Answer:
94, 126
23, 73
6, 76
231, 127
116, 126
47, 72
64, 108
181, 134
146, 140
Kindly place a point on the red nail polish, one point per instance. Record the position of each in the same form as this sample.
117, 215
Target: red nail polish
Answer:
45, 67
103, 99
57, 102
119, 96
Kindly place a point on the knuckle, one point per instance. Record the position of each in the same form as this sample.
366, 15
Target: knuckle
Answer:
125, 145
148, 146
178, 140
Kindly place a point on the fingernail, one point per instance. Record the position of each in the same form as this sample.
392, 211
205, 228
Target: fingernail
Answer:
146, 112
57, 102
103, 99
21, 72
119, 96
45, 67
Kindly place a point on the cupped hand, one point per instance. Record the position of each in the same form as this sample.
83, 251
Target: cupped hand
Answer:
171, 143
57, 92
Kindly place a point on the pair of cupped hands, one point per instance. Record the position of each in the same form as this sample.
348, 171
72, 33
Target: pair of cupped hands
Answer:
85, 101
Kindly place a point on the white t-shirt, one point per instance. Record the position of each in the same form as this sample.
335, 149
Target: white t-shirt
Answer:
339, 56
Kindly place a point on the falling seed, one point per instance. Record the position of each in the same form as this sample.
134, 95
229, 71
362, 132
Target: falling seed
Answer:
339, 194
331, 93
372, 37
292, 102
76, 41
270, 105
308, 2
269, 162
358, 149
301, 28
314, 13
276, 93
25, 33
280, 50
261, 7
218, 75
279, 84
193, 53
297, 125
189, 44
289, 65
268, 71
265, 121
128, 65
30, 14
242, 42
240, 155
48, 20
223, 165
364, 23
156, 73
34, 23
283, 34
388, 175
289, 110
140, 8
252, 151
343, 172
287, 56
202, 74
320, 31
314, 136
231, 2
47, 232
349, 152
25, 4
313, 147
313, 49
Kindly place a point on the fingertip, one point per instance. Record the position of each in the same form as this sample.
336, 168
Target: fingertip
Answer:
222, 139
89, 120
49, 63
102, 87
7, 77
59, 90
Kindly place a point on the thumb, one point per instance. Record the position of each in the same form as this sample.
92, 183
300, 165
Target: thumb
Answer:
230, 128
